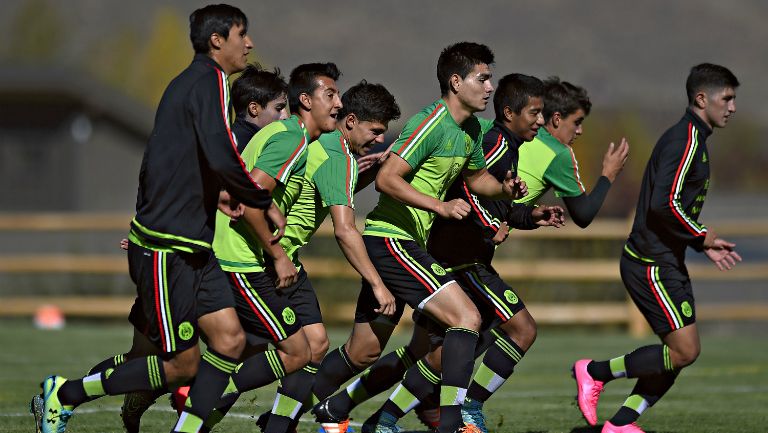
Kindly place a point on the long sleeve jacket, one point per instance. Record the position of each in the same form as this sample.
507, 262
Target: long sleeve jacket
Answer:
460, 242
674, 187
190, 156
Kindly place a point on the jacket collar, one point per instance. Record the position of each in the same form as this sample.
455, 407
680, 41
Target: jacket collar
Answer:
704, 130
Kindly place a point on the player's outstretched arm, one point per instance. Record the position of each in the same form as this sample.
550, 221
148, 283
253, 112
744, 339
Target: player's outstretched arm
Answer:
351, 243
391, 181
583, 208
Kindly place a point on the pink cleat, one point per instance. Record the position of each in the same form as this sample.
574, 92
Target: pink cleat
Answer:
629, 428
587, 391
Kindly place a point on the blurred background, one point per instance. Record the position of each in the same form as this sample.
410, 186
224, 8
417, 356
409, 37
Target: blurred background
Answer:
80, 80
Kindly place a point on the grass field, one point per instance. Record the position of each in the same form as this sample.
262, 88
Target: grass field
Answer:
725, 391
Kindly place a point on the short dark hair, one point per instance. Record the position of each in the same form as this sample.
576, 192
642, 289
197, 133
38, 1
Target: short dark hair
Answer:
369, 102
708, 76
304, 80
213, 19
514, 91
257, 85
564, 98
459, 59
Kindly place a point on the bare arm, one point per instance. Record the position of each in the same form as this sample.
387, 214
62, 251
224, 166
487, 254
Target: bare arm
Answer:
257, 219
351, 244
390, 181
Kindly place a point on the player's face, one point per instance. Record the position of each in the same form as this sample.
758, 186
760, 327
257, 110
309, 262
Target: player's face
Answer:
276, 109
475, 89
365, 134
325, 104
233, 55
569, 128
721, 104
527, 124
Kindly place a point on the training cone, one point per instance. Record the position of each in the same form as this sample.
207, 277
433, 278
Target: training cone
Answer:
49, 317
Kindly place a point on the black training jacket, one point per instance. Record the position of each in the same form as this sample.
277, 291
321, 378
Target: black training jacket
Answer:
673, 191
460, 242
190, 156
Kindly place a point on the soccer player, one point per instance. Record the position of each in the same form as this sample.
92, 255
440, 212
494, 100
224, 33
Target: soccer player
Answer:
328, 187
256, 265
259, 97
435, 147
170, 257
549, 162
652, 266
466, 248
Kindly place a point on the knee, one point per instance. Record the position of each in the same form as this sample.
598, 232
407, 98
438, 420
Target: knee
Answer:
685, 356
526, 333
297, 358
229, 342
182, 367
318, 349
469, 319
363, 354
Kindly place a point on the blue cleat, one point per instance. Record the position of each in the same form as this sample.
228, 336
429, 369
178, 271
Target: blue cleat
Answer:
51, 416
472, 413
387, 424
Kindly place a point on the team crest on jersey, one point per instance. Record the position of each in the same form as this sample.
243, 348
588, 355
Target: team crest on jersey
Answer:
687, 310
289, 316
186, 331
511, 297
437, 269
467, 143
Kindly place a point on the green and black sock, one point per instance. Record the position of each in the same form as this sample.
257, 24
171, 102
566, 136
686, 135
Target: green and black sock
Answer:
293, 391
643, 361
379, 377
648, 390
211, 380
459, 347
335, 369
498, 364
140, 374
419, 383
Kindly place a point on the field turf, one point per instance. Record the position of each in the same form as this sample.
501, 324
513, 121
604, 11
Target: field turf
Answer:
726, 390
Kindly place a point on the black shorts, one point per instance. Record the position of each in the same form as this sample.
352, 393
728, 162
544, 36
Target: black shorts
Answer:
408, 271
263, 310
496, 301
662, 293
304, 302
167, 288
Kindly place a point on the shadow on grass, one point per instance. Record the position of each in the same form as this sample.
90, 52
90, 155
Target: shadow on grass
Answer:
595, 429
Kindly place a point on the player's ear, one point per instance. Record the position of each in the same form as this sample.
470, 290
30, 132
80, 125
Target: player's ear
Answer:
455, 82
254, 109
700, 100
508, 113
215, 41
306, 101
556, 118
350, 120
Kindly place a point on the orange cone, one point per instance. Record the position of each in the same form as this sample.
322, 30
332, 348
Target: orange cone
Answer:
49, 317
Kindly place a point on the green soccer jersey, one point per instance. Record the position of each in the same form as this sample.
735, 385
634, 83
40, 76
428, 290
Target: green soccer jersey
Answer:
546, 163
280, 150
329, 180
437, 149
